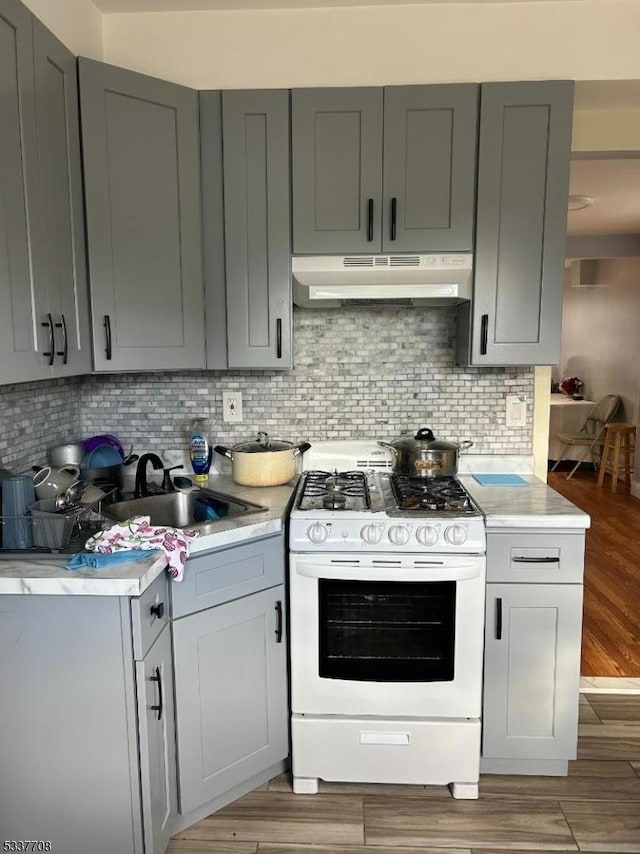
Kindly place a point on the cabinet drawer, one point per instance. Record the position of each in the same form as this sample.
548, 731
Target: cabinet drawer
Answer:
149, 615
227, 574
536, 557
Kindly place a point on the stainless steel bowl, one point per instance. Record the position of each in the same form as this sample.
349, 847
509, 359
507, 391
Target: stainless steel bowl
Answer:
64, 455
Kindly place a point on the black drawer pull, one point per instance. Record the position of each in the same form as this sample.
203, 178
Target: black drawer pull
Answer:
394, 216
52, 347
278, 622
370, 220
484, 332
157, 678
65, 342
499, 619
279, 338
107, 332
157, 610
523, 559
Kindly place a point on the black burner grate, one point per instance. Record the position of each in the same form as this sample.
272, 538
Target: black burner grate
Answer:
334, 490
435, 493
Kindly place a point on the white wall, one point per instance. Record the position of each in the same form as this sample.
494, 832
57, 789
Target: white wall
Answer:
581, 40
77, 23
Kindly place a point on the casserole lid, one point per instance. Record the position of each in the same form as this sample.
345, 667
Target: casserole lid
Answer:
424, 440
263, 444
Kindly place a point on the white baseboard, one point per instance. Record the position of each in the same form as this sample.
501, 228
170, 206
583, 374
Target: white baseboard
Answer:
609, 685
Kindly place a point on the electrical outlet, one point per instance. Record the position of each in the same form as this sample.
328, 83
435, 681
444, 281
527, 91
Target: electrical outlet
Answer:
232, 406
516, 410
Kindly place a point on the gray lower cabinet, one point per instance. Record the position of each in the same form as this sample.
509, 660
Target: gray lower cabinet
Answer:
532, 652
88, 734
253, 289
389, 170
142, 189
231, 674
44, 320
523, 179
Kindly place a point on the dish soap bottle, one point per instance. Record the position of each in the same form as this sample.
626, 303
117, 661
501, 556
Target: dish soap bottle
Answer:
200, 452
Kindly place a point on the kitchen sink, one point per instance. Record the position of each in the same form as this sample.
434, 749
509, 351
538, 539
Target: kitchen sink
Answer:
196, 509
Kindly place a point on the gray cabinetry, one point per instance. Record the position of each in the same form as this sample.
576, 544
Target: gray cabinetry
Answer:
523, 178
532, 652
87, 765
44, 322
384, 169
142, 186
231, 675
246, 228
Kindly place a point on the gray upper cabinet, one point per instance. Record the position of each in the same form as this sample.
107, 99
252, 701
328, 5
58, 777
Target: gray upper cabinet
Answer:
61, 184
142, 188
44, 326
255, 139
384, 169
523, 180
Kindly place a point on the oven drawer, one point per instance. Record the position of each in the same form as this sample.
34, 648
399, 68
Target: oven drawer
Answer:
378, 750
536, 557
216, 577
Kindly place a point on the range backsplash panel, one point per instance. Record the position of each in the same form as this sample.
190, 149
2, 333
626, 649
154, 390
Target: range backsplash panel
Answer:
34, 416
359, 373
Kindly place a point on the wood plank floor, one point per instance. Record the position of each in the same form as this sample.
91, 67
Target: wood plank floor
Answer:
595, 808
611, 625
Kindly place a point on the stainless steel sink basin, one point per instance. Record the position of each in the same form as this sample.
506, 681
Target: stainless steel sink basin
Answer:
198, 509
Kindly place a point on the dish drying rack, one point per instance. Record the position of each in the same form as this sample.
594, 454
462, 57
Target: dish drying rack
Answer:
40, 534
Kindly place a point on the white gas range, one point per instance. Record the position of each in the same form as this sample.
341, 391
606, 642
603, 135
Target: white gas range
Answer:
387, 579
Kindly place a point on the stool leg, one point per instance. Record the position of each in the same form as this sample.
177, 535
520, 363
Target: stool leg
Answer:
626, 450
616, 462
603, 460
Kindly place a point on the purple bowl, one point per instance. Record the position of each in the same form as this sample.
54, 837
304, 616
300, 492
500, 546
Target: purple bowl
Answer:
94, 442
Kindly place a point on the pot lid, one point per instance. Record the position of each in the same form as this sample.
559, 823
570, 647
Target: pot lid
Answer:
263, 444
424, 440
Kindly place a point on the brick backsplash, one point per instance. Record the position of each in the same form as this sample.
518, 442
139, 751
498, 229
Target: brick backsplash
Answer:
359, 373
34, 416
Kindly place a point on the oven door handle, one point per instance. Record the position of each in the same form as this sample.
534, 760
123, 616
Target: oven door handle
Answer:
366, 572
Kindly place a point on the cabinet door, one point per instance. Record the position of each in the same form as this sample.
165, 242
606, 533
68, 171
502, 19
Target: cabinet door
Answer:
532, 671
142, 185
231, 694
23, 299
156, 722
255, 128
337, 170
56, 90
523, 181
429, 168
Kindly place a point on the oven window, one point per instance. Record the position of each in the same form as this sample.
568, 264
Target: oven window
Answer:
387, 631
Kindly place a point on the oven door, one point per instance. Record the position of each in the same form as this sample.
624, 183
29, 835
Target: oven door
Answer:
387, 635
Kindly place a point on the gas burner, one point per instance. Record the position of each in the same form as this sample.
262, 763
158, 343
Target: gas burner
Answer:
437, 494
334, 491
334, 501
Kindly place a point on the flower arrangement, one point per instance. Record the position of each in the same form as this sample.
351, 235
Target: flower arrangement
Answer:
573, 386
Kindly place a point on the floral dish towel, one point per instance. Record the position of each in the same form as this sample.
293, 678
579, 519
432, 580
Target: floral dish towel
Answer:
138, 533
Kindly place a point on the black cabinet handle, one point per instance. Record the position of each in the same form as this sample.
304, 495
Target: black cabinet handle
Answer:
394, 215
157, 678
107, 332
50, 353
278, 622
65, 342
484, 331
523, 559
279, 338
499, 619
158, 610
370, 220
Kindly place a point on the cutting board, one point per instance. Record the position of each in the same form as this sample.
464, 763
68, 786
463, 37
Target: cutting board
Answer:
500, 479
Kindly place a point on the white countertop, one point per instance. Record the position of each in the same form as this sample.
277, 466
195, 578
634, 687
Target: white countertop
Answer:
49, 577
535, 505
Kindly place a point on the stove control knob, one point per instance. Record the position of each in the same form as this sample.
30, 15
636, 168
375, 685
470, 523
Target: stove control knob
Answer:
426, 535
317, 533
455, 535
371, 534
399, 535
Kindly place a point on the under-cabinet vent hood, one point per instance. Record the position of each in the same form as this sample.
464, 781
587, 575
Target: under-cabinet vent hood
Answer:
333, 280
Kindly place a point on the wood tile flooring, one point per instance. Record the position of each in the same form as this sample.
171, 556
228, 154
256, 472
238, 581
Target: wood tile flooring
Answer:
595, 808
611, 625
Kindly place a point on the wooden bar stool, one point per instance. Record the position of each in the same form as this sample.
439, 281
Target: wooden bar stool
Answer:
619, 443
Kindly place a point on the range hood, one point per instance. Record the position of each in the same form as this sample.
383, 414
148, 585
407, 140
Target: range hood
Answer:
333, 280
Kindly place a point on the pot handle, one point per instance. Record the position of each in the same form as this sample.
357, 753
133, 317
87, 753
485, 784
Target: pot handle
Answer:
301, 448
388, 445
463, 446
71, 469
225, 452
